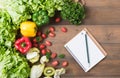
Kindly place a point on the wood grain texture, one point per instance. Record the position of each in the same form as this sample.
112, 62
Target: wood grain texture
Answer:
101, 12
109, 38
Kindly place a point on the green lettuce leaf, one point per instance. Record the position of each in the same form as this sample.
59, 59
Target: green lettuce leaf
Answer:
12, 64
17, 10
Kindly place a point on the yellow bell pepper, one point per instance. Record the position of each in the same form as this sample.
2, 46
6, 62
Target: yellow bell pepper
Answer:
28, 29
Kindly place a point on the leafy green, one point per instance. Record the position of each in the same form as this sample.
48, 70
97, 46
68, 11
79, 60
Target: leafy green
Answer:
13, 65
17, 10
52, 5
49, 5
7, 29
73, 12
61, 55
48, 54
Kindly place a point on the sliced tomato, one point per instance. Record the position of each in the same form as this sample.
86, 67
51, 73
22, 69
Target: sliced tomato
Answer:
52, 29
42, 46
64, 63
44, 36
43, 51
48, 43
58, 19
52, 34
53, 55
64, 29
55, 63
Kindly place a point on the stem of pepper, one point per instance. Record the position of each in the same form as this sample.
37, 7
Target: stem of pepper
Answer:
23, 44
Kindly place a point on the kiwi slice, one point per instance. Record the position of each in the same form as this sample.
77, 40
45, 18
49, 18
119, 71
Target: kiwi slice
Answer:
49, 71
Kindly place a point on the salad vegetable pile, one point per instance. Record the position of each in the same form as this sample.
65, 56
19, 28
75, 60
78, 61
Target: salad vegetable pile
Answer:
12, 64
21, 42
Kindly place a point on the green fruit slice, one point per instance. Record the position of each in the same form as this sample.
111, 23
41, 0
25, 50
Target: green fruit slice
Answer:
49, 71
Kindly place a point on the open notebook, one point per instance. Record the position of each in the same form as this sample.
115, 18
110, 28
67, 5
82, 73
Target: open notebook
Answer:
85, 50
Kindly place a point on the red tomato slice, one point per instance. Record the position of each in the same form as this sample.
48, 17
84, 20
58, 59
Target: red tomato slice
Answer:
52, 29
64, 63
42, 46
53, 55
44, 36
55, 63
64, 29
43, 51
48, 43
57, 19
52, 34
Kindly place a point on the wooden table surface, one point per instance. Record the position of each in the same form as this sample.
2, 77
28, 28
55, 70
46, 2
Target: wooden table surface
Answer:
103, 21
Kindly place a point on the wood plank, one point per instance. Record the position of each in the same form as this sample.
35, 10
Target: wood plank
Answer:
89, 77
102, 16
108, 68
103, 3
101, 12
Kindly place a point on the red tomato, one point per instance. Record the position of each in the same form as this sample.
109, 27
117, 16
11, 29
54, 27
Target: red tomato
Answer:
57, 20
35, 44
34, 40
52, 29
39, 33
44, 36
43, 51
64, 63
52, 34
42, 46
48, 43
64, 29
55, 63
53, 55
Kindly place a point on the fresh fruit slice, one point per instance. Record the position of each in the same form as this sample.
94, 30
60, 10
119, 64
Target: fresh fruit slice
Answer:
52, 34
49, 71
42, 46
55, 63
43, 51
52, 29
64, 29
44, 36
48, 43
58, 19
64, 63
53, 55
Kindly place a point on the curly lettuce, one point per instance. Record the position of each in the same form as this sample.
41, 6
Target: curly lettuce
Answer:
17, 10
49, 5
7, 29
12, 64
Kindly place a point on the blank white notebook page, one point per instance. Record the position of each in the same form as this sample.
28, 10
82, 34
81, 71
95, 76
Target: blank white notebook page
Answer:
77, 48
